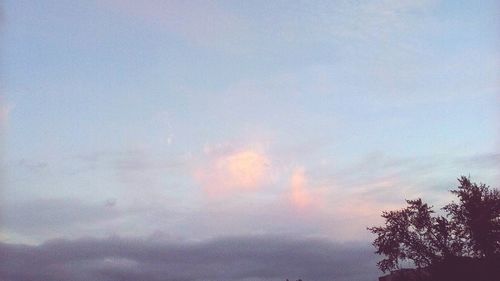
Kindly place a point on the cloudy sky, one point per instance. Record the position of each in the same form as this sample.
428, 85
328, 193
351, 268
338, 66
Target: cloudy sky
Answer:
234, 140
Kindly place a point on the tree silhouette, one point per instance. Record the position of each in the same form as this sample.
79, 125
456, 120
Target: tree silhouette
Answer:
476, 218
471, 228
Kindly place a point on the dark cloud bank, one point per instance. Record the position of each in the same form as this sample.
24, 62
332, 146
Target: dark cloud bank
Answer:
234, 258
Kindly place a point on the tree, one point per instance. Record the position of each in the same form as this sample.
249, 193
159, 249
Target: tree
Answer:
470, 228
476, 218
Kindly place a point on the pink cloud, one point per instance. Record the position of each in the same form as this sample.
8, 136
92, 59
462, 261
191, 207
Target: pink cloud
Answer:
243, 170
5, 110
301, 195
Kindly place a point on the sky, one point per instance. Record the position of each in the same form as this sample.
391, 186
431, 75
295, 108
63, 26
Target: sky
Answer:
254, 139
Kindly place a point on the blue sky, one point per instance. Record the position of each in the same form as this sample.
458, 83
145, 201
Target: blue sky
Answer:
197, 120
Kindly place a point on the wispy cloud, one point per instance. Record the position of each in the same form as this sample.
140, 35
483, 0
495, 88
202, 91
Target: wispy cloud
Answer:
486, 160
220, 25
237, 189
204, 23
5, 110
55, 217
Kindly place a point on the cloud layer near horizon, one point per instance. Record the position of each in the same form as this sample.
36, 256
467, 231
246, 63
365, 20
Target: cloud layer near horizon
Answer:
240, 258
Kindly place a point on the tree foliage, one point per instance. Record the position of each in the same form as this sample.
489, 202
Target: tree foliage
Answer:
470, 228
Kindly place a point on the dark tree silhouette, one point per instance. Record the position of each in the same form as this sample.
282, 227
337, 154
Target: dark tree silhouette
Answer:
476, 218
471, 228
